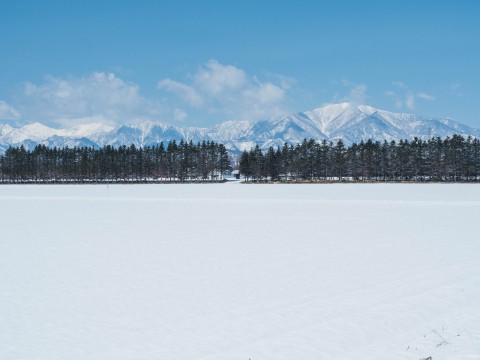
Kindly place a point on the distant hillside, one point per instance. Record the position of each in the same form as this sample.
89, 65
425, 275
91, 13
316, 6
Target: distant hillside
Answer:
332, 122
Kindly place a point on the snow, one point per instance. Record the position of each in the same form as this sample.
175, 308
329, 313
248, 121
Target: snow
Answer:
84, 130
231, 130
5, 129
34, 132
231, 271
38, 132
345, 121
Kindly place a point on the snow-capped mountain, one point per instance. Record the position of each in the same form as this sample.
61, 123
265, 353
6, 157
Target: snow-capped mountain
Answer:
331, 122
38, 133
148, 133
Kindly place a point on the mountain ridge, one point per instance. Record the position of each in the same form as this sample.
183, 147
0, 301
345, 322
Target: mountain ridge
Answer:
331, 122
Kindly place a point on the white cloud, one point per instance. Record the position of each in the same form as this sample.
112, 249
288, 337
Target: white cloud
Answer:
357, 93
425, 96
410, 101
185, 92
395, 97
405, 97
75, 99
455, 86
285, 82
229, 91
215, 78
456, 89
8, 112
179, 114
268, 93
400, 84
215, 92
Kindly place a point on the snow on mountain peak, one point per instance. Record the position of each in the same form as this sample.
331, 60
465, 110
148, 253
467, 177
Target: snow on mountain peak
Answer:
38, 129
346, 121
85, 130
93, 128
369, 110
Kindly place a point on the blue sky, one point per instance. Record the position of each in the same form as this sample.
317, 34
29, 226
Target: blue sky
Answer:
197, 63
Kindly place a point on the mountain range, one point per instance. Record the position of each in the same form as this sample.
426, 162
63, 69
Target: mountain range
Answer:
331, 122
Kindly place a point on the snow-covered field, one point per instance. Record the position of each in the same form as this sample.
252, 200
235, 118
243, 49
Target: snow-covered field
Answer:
227, 271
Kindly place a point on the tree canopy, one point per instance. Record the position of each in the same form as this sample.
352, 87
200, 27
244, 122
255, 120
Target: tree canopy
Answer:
452, 159
185, 161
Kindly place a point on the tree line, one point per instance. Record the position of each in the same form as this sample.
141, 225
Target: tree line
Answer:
183, 161
452, 159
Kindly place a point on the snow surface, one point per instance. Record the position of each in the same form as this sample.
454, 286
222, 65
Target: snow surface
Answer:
230, 271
